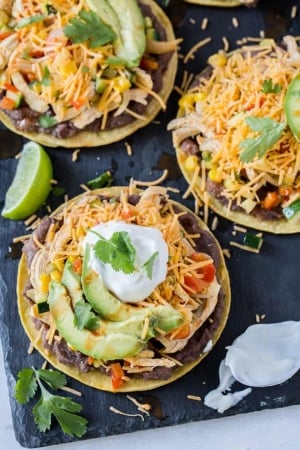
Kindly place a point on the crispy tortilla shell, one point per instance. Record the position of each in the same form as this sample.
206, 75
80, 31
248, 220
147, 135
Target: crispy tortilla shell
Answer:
108, 136
221, 3
94, 378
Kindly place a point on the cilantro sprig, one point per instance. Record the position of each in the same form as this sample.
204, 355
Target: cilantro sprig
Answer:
89, 27
268, 87
84, 316
64, 409
270, 132
118, 251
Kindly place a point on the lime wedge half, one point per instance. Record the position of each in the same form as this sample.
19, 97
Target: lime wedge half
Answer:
31, 184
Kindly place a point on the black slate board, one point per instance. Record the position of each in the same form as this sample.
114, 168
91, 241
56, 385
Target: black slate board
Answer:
261, 284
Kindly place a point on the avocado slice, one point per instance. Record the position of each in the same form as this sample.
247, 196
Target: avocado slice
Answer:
127, 21
111, 308
72, 281
107, 347
292, 106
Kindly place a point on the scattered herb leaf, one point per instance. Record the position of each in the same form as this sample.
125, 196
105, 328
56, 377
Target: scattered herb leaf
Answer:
270, 131
118, 251
48, 405
269, 88
89, 27
105, 179
58, 190
26, 385
46, 80
47, 121
32, 19
84, 316
148, 265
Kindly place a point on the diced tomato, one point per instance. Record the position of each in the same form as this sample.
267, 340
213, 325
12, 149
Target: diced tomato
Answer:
208, 273
77, 104
77, 265
37, 53
4, 35
7, 103
195, 283
126, 214
183, 332
10, 87
271, 200
90, 360
117, 374
148, 64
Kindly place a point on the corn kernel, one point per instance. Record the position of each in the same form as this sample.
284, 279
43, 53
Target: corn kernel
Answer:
121, 84
56, 275
217, 60
186, 101
200, 96
191, 163
59, 264
44, 280
69, 68
214, 175
4, 18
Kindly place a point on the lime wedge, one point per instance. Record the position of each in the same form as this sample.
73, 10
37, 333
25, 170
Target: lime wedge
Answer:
31, 184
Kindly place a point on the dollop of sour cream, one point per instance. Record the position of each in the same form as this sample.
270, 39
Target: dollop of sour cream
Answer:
265, 355
137, 286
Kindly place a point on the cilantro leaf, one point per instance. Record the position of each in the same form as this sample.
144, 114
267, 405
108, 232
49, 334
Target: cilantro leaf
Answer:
63, 409
53, 378
84, 316
32, 19
269, 88
118, 251
270, 131
26, 385
89, 27
148, 265
48, 405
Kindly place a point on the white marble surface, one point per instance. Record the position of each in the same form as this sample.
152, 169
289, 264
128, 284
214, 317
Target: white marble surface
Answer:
267, 430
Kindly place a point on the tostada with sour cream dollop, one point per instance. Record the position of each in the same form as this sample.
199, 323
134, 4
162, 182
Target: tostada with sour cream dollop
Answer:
237, 135
123, 289
81, 73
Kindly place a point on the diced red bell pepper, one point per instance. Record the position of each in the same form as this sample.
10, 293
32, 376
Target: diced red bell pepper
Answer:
117, 374
7, 103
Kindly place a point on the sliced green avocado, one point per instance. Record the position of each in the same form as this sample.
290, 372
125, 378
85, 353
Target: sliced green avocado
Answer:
111, 308
292, 106
72, 281
110, 346
127, 21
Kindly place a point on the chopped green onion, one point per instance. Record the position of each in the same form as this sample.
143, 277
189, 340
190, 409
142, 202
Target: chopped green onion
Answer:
252, 240
105, 179
292, 209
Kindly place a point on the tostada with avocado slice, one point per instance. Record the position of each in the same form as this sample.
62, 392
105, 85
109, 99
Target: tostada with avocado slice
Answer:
123, 289
237, 135
88, 73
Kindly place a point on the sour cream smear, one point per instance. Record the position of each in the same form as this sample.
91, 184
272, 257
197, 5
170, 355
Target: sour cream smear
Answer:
264, 355
136, 286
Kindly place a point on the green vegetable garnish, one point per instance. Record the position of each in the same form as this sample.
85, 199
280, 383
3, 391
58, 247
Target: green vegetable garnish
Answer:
32, 19
270, 131
84, 316
118, 251
148, 265
253, 241
269, 88
105, 179
47, 121
89, 27
292, 209
48, 405
46, 80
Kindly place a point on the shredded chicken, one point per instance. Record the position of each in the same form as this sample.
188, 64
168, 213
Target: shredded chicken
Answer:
32, 99
7, 46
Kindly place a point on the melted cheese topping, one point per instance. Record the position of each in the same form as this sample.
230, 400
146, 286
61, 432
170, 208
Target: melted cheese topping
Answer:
214, 113
146, 241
